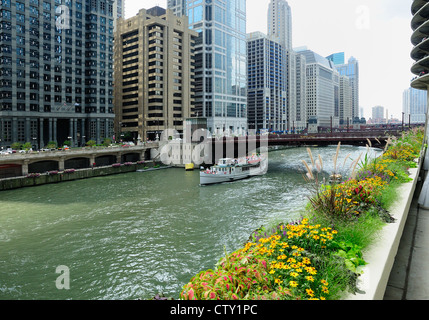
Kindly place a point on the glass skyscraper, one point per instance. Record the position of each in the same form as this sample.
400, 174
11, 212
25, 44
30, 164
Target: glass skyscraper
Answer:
56, 70
351, 70
415, 105
220, 61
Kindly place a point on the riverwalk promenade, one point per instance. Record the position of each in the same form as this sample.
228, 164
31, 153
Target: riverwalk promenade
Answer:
409, 278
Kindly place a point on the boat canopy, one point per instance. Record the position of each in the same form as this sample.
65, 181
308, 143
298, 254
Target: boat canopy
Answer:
225, 161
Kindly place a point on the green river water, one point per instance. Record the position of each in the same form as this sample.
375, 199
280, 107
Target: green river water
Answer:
134, 235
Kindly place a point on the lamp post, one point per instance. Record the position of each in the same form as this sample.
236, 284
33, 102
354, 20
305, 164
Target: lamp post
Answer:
34, 142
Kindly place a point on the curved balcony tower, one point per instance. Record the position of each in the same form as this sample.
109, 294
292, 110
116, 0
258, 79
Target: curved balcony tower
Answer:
420, 41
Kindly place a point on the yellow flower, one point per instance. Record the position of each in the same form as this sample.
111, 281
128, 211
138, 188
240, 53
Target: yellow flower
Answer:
309, 278
293, 284
278, 281
324, 282
310, 292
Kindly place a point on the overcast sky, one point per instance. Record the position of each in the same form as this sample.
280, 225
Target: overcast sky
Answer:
375, 32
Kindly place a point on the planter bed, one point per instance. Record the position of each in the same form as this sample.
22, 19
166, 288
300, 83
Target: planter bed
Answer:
381, 254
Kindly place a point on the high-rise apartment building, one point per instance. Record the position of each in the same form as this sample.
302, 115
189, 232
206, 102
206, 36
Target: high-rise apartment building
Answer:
279, 21
414, 105
266, 96
153, 73
56, 70
220, 61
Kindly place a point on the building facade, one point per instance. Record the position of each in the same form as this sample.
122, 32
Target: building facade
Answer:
344, 112
297, 104
267, 80
56, 71
378, 115
414, 106
351, 70
336, 58
220, 61
153, 74
279, 21
322, 91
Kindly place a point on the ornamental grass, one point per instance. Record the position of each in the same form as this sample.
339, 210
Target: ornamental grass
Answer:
321, 256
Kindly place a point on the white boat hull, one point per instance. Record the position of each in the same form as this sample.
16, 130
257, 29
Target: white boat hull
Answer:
221, 177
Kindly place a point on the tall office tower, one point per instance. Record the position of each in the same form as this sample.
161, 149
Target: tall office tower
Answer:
153, 73
414, 105
266, 95
336, 58
322, 90
344, 110
56, 71
220, 61
298, 110
351, 70
280, 22
378, 114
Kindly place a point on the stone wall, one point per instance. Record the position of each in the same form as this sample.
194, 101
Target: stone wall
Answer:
24, 181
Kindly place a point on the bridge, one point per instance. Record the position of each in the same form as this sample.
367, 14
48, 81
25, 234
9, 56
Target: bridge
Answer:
236, 147
20, 164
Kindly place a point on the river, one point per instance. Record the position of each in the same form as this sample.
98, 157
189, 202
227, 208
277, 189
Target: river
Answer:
131, 236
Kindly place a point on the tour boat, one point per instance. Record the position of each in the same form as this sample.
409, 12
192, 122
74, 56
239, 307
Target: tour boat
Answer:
228, 170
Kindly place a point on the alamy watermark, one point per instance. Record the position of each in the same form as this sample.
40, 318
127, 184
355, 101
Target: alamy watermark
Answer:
204, 148
63, 280
363, 20
63, 20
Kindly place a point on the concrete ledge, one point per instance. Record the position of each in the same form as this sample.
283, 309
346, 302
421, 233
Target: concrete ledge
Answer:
381, 255
20, 182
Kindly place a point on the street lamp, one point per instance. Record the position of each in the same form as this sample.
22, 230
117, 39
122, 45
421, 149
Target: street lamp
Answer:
34, 142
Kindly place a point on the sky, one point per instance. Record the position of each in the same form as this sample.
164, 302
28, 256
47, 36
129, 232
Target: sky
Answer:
376, 32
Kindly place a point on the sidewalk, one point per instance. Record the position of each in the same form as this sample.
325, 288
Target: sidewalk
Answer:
409, 278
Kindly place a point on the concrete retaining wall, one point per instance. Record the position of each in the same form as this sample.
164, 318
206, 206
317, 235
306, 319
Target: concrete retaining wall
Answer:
381, 255
20, 182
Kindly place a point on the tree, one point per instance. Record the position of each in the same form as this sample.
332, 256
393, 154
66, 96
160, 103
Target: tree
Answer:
27, 146
51, 145
91, 143
107, 142
16, 146
67, 143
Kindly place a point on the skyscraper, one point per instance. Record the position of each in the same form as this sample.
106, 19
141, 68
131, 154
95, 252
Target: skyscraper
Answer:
378, 115
220, 61
351, 70
280, 22
336, 58
414, 105
322, 90
56, 70
266, 96
153, 73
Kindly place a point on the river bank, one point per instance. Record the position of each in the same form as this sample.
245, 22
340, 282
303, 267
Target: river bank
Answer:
37, 179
